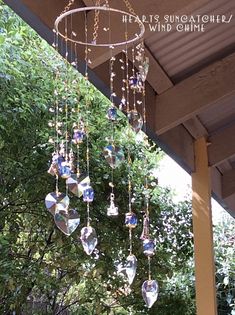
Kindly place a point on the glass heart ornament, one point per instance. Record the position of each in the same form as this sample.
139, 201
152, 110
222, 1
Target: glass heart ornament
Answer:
113, 155
150, 291
89, 239
130, 268
77, 183
135, 120
66, 221
55, 201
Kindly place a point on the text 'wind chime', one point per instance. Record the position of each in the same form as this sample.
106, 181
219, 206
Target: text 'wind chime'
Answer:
71, 125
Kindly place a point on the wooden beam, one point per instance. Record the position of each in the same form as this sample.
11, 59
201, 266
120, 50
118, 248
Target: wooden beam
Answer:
88, 3
195, 128
178, 143
216, 182
203, 232
227, 203
195, 94
160, 82
222, 146
48, 11
228, 183
157, 77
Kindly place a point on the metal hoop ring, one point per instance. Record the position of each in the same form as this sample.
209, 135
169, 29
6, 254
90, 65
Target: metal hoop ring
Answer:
71, 12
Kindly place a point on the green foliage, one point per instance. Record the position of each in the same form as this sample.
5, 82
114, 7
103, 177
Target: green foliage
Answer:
42, 271
225, 263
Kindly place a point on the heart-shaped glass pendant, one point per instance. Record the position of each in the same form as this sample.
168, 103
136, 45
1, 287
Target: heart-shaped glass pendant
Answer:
67, 221
76, 184
150, 291
57, 201
114, 155
135, 120
130, 268
89, 239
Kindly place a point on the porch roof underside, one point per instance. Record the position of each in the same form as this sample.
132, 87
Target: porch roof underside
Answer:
190, 89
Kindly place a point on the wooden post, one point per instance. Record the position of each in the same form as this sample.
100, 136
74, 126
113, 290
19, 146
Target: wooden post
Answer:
203, 232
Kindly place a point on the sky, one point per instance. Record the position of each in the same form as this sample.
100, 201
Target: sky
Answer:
173, 176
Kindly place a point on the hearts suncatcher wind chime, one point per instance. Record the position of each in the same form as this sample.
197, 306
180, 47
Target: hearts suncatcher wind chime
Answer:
71, 134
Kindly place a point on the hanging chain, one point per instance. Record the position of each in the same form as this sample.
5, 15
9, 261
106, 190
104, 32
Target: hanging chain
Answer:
129, 7
67, 7
96, 22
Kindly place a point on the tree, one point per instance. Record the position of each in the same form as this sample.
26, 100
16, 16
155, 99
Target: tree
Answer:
225, 265
42, 271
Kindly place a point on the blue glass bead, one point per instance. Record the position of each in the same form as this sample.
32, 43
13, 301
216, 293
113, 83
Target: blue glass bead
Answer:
136, 83
133, 82
78, 136
59, 160
88, 194
148, 247
112, 114
64, 170
131, 220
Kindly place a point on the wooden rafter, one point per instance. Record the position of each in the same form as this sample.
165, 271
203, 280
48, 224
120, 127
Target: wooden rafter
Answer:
222, 145
195, 94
